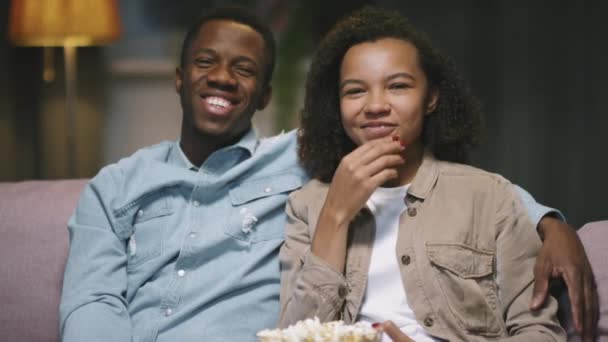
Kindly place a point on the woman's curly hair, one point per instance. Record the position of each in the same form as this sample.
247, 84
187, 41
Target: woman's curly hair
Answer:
449, 131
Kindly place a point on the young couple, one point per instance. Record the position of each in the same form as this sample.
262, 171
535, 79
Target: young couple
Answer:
181, 240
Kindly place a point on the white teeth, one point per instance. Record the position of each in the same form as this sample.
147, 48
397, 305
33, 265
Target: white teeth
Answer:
218, 101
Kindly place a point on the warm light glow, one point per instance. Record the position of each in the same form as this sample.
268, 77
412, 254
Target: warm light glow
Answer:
63, 22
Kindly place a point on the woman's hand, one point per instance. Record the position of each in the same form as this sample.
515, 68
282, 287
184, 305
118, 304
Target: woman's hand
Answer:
357, 176
389, 328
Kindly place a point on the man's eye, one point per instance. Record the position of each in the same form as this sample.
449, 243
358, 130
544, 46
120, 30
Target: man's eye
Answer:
245, 71
202, 62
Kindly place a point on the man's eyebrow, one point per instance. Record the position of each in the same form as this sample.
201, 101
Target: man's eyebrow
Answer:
206, 50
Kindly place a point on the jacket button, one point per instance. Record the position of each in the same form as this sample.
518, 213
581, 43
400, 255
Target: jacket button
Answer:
342, 291
411, 212
405, 259
428, 321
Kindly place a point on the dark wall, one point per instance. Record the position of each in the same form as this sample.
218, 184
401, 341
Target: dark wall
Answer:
539, 68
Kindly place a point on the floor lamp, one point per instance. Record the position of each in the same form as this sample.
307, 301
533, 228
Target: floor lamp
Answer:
67, 24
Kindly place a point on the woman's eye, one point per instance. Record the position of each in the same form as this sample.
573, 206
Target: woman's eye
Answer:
353, 91
399, 86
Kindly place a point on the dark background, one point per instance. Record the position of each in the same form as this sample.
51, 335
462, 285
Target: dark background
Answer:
539, 68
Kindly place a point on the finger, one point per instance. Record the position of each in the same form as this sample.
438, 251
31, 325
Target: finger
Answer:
591, 308
382, 177
371, 151
542, 272
383, 163
574, 282
394, 332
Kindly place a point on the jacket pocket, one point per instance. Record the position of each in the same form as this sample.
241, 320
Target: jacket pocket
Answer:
258, 207
143, 223
466, 278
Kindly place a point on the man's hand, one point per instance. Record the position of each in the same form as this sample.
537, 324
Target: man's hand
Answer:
562, 255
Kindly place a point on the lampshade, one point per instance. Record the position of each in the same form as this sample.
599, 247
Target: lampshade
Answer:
63, 22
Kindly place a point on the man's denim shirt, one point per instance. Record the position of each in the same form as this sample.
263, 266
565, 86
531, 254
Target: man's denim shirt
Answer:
161, 250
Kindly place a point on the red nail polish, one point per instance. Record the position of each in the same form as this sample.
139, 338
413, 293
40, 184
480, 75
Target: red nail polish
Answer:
375, 325
402, 143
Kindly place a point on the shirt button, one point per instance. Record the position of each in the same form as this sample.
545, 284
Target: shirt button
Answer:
411, 212
267, 190
192, 235
168, 312
140, 212
405, 259
181, 273
342, 291
428, 321
196, 203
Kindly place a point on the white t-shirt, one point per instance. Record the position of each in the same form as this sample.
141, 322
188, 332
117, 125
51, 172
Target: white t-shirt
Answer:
385, 297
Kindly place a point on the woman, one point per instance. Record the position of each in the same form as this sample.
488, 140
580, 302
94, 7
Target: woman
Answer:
395, 227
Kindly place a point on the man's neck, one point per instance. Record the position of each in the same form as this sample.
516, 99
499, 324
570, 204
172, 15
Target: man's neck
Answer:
198, 148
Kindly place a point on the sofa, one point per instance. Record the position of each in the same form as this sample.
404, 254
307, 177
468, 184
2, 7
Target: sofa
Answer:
34, 247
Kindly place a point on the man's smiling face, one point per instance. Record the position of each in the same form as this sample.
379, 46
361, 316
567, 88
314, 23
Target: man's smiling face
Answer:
221, 82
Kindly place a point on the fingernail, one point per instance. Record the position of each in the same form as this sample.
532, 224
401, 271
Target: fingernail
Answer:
402, 143
395, 138
376, 325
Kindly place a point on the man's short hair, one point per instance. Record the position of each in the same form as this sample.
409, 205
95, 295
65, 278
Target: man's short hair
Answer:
242, 16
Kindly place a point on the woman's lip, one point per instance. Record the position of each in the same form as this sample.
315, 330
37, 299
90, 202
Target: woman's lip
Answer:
377, 131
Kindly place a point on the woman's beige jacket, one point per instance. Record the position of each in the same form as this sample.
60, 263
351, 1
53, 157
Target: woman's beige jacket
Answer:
466, 250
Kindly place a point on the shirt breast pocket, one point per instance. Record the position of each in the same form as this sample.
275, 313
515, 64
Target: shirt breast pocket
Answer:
258, 207
144, 224
466, 278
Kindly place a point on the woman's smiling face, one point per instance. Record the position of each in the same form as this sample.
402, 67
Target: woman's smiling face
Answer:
384, 91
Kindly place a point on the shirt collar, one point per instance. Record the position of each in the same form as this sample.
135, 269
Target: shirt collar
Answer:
248, 143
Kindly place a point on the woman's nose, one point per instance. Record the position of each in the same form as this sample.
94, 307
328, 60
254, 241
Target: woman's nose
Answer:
377, 105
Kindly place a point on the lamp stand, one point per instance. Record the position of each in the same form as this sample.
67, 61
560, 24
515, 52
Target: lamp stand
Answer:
70, 106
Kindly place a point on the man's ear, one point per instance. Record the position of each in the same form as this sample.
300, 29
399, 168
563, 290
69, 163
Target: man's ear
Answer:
178, 79
432, 101
265, 98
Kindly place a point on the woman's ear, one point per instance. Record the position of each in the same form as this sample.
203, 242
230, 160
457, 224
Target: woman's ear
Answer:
433, 98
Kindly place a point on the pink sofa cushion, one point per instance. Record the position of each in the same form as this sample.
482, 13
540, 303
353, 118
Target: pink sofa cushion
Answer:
595, 238
33, 250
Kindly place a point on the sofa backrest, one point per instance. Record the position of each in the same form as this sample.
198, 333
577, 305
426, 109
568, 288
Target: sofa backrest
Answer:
33, 250
34, 247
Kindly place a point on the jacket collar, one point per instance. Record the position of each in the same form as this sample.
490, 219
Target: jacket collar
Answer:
426, 177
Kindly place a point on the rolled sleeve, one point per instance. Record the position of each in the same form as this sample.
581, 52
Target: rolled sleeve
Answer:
536, 211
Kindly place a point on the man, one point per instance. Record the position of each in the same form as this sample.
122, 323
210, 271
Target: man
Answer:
180, 240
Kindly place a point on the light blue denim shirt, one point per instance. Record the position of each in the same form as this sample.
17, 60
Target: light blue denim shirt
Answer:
161, 250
